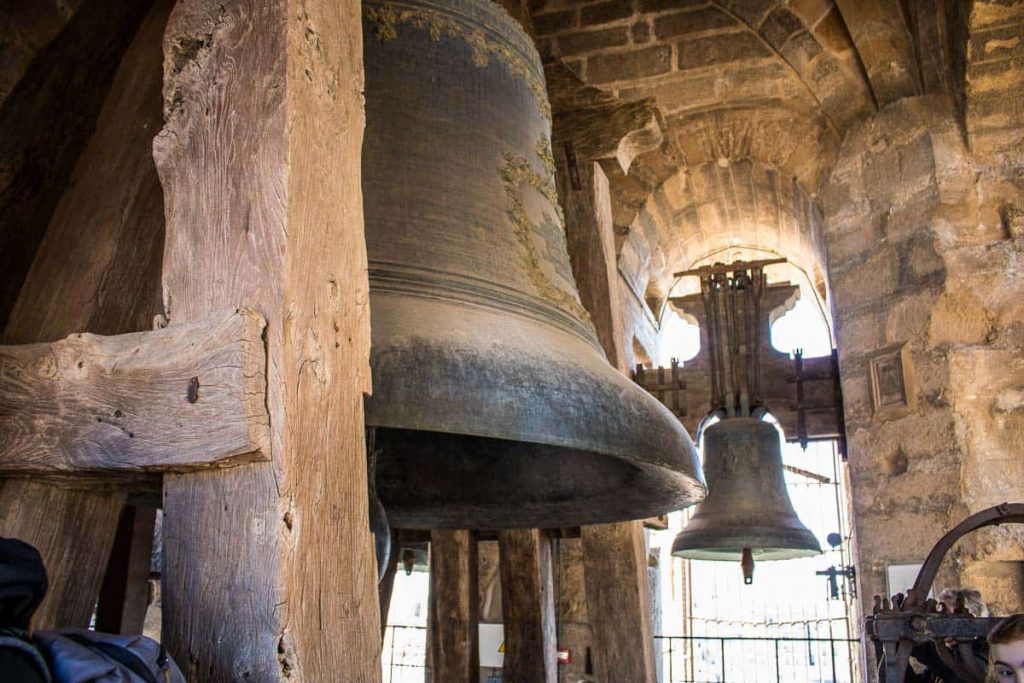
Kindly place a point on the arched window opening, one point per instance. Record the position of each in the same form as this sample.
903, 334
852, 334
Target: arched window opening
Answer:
802, 327
679, 338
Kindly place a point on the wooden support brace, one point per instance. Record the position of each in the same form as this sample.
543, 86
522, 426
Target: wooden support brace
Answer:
454, 607
97, 270
269, 572
528, 607
615, 560
618, 602
185, 397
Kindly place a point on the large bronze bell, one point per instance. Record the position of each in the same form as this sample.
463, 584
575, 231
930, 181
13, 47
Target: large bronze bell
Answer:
493, 401
747, 515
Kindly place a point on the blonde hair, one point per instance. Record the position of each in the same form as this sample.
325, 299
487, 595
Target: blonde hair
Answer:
1007, 630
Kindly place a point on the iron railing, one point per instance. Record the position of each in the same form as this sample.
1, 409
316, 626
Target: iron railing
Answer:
404, 654
683, 659
725, 659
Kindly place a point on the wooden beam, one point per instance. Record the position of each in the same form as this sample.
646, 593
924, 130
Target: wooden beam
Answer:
885, 47
528, 607
124, 595
724, 268
188, 396
618, 602
590, 239
269, 570
50, 95
454, 607
97, 270
618, 606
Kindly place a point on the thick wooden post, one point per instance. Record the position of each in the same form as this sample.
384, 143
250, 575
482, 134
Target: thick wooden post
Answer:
454, 607
590, 239
97, 270
618, 602
528, 607
615, 560
269, 571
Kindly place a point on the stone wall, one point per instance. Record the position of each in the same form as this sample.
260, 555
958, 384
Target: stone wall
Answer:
925, 247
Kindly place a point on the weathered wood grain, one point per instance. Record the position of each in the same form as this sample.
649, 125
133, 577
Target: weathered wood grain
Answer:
454, 607
528, 607
590, 239
102, 246
618, 602
50, 94
269, 571
183, 397
615, 561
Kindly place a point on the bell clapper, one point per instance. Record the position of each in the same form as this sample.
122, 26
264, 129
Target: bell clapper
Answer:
748, 566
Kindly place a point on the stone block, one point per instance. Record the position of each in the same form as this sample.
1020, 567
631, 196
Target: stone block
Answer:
872, 280
664, 5
622, 66
592, 41
696, 53
779, 26
958, 318
641, 31
856, 400
861, 331
811, 11
908, 317
1001, 584
553, 22
832, 32
990, 79
910, 218
750, 11
697, 21
996, 43
604, 12
848, 246
800, 49
898, 172
921, 265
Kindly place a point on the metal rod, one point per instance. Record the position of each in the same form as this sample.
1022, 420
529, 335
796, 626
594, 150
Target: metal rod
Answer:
832, 645
778, 666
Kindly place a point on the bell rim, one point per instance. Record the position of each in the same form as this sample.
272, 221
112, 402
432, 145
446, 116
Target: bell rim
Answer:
726, 544
657, 491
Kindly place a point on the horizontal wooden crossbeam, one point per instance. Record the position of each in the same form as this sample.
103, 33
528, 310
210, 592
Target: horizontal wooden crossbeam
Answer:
185, 397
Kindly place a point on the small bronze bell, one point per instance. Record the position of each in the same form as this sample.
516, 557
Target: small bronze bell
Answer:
747, 515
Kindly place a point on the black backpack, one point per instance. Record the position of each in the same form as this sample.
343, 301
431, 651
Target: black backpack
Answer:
64, 655
23, 585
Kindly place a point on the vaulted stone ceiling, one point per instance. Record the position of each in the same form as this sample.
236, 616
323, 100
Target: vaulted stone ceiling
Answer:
773, 85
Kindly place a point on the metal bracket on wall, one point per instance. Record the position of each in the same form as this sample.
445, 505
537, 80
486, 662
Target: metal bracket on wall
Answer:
802, 408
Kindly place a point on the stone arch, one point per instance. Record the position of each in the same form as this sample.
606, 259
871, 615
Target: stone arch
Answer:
720, 208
